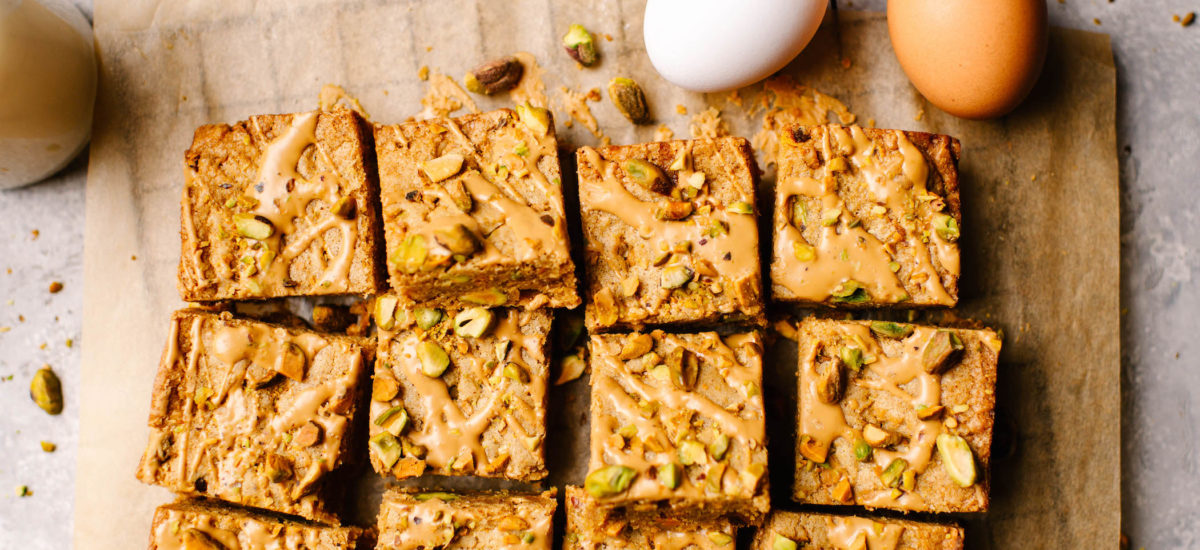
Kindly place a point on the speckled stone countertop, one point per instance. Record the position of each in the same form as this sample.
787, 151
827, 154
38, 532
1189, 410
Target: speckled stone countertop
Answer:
41, 241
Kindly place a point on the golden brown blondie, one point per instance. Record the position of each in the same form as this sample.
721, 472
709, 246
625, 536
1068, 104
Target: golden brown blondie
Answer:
466, 521
205, 525
592, 528
809, 530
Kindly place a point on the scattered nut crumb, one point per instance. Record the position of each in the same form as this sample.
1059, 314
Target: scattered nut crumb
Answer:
1175, 18
134, 258
1188, 19
48, 446
55, 287
43, 346
70, 343
36, 234
1033, 177
429, 48
608, 37
1096, 20
663, 133
845, 62
21, 318
24, 491
871, 122
423, 73
681, 109
920, 114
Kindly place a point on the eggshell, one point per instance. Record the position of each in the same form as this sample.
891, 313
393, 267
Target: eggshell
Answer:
971, 58
715, 45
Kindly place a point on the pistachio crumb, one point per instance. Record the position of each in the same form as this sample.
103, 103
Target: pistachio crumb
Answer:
55, 287
48, 446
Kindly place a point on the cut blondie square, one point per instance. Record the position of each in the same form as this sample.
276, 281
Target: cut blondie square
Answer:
671, 234
460, 392
866, 218
206, 525
254, 414
280, 205
466, 521
677, 425
473, 211
893, 415
810, 530
590, 528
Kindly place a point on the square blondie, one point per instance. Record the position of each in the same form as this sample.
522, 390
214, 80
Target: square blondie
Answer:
866, 217
677, 425
590, 528
254, 414
466, 521
460, 392
816, 531
894, 415
280, 205
207, 525
671, 234
473, 211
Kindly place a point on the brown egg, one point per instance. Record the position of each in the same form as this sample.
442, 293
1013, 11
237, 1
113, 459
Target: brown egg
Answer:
971, 58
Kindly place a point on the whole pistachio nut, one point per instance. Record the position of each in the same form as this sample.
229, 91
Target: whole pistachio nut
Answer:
427, 317
443, 167
888, 329
411, 254
580, 45
941, 351
676, 276
536, 119
958, 459
669, 475
719, 446
457, 239
46, 390
629, 99
674, 210
852, 357
862, 450
473, 322
946, 227
434, 360
648, 175
495, 76
253, 226
386, 447
636, 346
830, 383
571, 367
385, 312
384, 387
609, 480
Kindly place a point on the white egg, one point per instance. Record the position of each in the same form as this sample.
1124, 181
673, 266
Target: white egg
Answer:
715, 45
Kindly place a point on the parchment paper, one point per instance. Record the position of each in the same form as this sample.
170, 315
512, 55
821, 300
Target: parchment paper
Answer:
1039, 239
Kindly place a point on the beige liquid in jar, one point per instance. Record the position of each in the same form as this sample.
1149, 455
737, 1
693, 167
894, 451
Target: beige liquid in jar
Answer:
47, 88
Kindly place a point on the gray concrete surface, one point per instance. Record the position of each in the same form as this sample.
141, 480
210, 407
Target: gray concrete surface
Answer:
1159, 133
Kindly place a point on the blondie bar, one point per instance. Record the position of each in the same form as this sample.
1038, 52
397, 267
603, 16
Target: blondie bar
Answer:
466, 521
790, 530
460, 391
280, 205
866, 217
203, 525
671, 234
473, 211
253, 414
894, 415
592, 528
677, 425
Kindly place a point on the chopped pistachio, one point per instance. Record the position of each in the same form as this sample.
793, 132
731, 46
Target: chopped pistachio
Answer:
804, 252
473, 322
430, 495
515, 372
434, 360
850, 292
387, 448
629, 99
830, 383
489, 297
521, 149
717, 228
852, 357
572, 367
292, 362
669, 475
458, 239
718, 538
676, 276
719, 446
648, 176
925, 412
888, 329
813, 449
894, 266
46, 390
629, 286
636, 346
253, 226
692, 452
536, 119
946, 227
443, 167
782, 543
580, 45
740, 207
878, 437
958, 459
862, 450
48, 446
890, 477
385, 312
908, 481
427, 317
674, 210
394, 420
344, 208
941, 351
830, 217
411, 254
609, 480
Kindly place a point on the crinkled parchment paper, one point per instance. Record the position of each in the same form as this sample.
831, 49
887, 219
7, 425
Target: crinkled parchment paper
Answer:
1039, 237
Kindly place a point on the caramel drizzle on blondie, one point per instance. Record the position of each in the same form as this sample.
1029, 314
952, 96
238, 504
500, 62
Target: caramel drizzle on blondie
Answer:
854, 533
733, 254
662, 414
822, 423
434, 523
860, 247
283, 195
449, 434
180, 531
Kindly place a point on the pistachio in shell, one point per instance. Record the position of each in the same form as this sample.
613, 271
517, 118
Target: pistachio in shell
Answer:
627, 95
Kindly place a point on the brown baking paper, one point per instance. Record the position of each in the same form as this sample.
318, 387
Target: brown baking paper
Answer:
1039, 237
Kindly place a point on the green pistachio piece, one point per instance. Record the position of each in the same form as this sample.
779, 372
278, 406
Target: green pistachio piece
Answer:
648, 176
717, 228
394, 420
669, 475
740, 207
692, 452
941, 351
850, 292
719, 446
489, 297
387, 448
718, 538
473, 322
344, 208
443, 167
676, 276
804, 252
637, 345
782, 543
427, 317
444, 497
434, 360
852, 357
457, 239
890, 477
862, 450
958, 459
253, 226
629, 99
528, 538
46, 390
572, 367
830, 217
536, 118
410, 255
580, 46
515, 372
609, 480
798, 211
385, 312
674, 210
888, 329
946, 227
